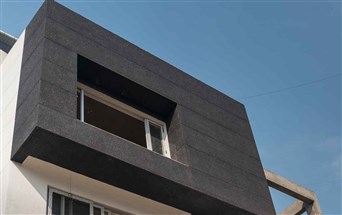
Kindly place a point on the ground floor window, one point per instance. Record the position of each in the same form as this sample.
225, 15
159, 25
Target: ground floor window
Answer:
118, 118
62, 203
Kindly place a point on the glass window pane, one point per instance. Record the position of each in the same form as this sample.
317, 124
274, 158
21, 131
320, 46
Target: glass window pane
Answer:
97, 211
80, 208
114, 121
74, 206
56, 204
156, 138
67, 206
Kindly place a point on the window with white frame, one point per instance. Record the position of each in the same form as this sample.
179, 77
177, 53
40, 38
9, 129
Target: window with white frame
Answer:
62, 203
125, 121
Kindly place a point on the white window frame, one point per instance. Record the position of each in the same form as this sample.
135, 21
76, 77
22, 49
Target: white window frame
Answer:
122, 107
103, 209
69, 195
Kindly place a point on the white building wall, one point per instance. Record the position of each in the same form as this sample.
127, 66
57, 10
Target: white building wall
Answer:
10, 73
24, 187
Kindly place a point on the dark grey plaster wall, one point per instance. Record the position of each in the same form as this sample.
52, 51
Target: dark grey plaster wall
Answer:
29, 83
215, 166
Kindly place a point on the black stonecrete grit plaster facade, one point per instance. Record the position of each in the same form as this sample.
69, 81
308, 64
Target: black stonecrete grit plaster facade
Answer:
214, 167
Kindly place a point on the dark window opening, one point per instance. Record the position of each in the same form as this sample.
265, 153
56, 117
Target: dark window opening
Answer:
67, 206
122, 107
62, 203
114, 121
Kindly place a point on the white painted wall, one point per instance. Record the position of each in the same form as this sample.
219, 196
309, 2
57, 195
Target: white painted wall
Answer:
27, 190
24, 187
10, 72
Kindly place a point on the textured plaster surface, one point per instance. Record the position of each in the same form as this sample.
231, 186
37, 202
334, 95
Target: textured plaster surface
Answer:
215, 166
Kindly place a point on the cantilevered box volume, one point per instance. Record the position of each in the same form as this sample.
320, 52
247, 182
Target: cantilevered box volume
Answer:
96, 105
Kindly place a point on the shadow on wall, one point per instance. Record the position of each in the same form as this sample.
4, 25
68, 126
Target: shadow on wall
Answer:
28, 183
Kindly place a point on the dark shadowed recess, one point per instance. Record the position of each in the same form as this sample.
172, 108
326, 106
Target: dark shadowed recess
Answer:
123, 89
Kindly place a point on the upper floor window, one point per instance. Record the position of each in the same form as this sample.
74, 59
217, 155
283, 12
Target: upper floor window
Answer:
118, 118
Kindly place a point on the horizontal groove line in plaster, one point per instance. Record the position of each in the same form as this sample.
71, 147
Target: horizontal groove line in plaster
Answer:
178, 148
219, 197
65, 69
219, 124
41, 81
23, 123
98, 40
53, 41
34, 66
115, 136
21, 67
53, 84
65, 115
229, 164
182, 144
39, 103
218, 141
45, 80
111, 134
208, 192
18, 107
44, 106
48, 81
229, 112
22, 146
227, 182
26, 79
38, 23
181, 123
27, 42
62, 45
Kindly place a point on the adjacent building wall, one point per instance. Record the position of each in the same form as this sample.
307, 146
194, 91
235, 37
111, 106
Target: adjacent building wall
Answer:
6, 43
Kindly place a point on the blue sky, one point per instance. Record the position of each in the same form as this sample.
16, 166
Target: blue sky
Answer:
245, 49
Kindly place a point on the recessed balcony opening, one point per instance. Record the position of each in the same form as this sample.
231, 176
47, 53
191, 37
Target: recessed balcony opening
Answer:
122, 107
